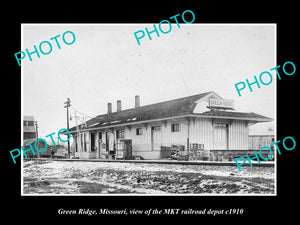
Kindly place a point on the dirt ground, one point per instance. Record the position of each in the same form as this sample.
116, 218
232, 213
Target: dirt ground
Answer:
61, 177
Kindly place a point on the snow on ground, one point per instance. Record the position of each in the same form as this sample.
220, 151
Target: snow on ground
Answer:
78, 177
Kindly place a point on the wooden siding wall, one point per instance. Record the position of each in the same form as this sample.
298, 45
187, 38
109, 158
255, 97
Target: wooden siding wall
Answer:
139, 142
256, 142
174, 138
238, 135
201, 131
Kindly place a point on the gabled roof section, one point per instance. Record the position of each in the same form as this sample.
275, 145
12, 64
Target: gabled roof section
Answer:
237, 115
176, 107
163, 110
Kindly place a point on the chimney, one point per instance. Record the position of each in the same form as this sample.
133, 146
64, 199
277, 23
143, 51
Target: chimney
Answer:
119, 106
109, 108
137, 101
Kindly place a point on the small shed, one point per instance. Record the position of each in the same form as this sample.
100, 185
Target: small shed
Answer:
256, 142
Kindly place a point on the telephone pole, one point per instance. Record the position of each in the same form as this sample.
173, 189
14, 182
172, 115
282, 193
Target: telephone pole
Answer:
67, 105
36, 129
37, 133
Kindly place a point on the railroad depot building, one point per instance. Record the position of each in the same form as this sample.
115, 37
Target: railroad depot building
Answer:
203, 126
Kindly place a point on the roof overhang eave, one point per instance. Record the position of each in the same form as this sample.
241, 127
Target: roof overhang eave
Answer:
129, 123
255, 120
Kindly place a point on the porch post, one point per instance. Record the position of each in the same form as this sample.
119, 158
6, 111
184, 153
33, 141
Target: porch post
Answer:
188, 134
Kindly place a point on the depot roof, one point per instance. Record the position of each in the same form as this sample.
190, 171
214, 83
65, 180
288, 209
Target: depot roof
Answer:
181, 107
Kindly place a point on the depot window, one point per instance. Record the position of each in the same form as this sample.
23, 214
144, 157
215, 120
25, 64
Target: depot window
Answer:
175, 127
120, 134
138, 131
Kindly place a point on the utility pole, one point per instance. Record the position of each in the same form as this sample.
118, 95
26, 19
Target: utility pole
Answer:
36, 129
67, 105
37, 133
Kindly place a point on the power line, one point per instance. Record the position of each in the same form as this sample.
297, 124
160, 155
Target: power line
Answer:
67, 105
84, 115
184, 84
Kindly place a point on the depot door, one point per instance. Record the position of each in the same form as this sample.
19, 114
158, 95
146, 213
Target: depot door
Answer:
220, 136
109, 141
155, 138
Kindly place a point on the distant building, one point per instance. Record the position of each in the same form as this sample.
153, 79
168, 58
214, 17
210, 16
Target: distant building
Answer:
30, 136
29, 130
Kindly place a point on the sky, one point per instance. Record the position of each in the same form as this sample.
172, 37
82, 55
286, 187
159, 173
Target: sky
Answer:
106, 64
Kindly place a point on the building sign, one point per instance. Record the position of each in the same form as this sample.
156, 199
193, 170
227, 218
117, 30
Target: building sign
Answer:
221, 103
